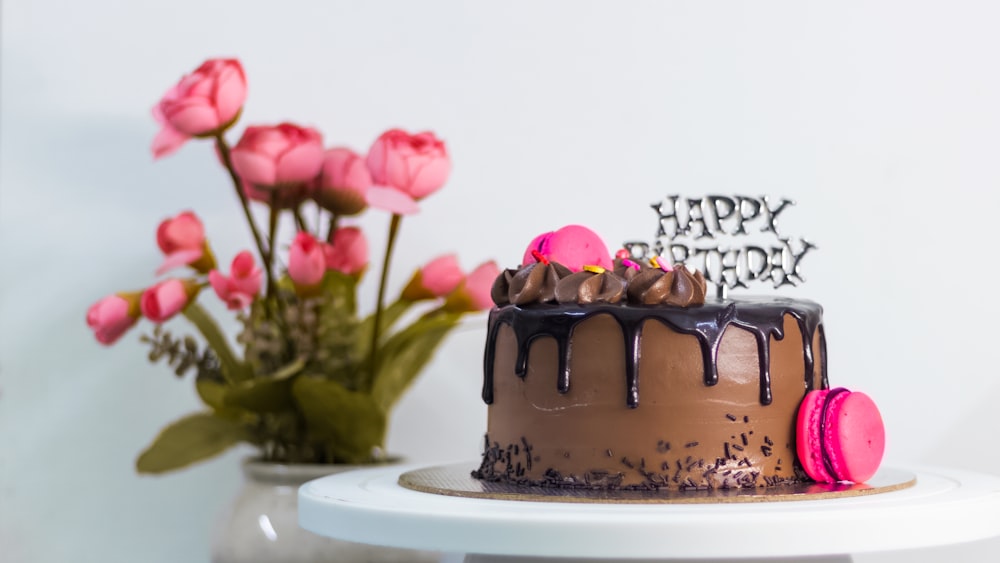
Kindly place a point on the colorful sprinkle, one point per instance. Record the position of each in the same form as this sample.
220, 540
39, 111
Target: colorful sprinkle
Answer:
594, 269
539, 257
622, 254
656, 262
630, 264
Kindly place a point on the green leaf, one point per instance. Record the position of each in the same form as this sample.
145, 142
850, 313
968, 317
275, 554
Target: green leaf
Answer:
340, 292
232, 369
270, 393
348, 423
390, 315
403, 357
191, 439
212, 393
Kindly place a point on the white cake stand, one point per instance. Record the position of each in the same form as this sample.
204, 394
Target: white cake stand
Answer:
945, 506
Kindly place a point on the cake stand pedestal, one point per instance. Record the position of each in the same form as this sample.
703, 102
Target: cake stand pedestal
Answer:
945, 506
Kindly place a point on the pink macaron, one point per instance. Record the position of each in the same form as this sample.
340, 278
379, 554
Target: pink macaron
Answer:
841, 436
573, 246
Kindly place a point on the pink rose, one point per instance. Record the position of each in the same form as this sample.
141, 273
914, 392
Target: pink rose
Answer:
182, 239
417, 165
306, 262
278, 157
348, 251
343, 182
238, 289
437, 278
112, 316
572, 246
204, 102
167, 298
473, 294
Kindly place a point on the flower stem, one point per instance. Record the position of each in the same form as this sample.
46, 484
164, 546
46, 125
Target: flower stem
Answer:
272, 232
300, 221
377, 329
233, 370
333, 227
227, 161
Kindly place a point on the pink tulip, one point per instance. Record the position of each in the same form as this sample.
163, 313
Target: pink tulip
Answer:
479, 284
417, 165
167, 298
182, 239
572, 246
278, 157
238, 289
306, 262
437, 278
112, 316
205, 102
391, 200
348, 252
473, 294
343, 182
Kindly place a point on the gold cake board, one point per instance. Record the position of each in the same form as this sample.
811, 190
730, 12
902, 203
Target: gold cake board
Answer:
456, 480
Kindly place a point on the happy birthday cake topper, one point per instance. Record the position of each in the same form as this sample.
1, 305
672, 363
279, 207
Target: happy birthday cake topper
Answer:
689, 231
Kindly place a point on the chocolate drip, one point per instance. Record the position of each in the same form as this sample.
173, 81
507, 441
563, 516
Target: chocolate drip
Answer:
825, 381
808, 326
764, 318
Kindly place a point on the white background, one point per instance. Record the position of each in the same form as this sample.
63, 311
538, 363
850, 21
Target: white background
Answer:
881, 119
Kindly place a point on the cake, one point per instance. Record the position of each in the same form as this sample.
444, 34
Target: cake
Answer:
609, 373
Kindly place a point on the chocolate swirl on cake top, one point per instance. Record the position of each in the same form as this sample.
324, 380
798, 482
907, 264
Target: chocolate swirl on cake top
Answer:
591, 285
677, 287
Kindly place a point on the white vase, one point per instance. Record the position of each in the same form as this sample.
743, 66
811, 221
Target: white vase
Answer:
261, 524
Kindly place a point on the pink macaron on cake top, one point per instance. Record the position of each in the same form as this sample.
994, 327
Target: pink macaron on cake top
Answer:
840, 436
573, 246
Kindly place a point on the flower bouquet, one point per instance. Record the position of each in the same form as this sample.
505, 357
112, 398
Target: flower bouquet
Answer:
315, 381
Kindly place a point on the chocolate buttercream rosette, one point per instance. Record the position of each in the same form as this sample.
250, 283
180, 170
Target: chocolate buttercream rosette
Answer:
627, 268
533, 283
593, 284
677, 286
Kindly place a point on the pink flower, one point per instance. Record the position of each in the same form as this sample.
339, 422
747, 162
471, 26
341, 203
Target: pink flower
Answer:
167, 298
306, 262
238, 289
279, 156
416, 165
182, 239
572, 246
204, 102
480, 282
473, 294
348, 252
437, 278
112, 316
343, 182
391, 200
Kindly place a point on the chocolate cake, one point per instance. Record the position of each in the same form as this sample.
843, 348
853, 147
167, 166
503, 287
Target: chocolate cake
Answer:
624, 376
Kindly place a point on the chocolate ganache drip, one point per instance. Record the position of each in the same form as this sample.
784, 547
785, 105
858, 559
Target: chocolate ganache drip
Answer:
585, 287
678, 287
763, 318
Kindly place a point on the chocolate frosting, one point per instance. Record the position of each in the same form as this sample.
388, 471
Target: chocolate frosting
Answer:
587, 287
501, 287
762, 317
534, 283
678, 287
627, 272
